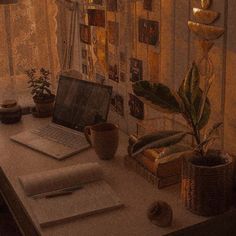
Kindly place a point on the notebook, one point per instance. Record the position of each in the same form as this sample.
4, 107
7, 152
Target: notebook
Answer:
78, 103
95, 196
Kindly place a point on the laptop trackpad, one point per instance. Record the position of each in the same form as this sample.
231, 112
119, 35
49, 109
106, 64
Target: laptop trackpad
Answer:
51, 148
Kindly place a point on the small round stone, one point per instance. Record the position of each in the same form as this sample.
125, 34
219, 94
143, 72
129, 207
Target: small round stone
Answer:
160, 213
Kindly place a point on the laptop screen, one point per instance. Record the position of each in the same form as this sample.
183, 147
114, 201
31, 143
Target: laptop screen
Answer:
80, 103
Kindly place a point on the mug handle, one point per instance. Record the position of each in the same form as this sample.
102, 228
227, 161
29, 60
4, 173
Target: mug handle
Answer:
87, 133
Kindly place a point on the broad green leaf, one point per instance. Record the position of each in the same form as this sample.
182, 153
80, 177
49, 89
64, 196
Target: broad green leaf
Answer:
190, 84
193, 110
188, 92
206, 115
203, 120
186, 108
213, 129
165, 98
141, 88
157, 140
174, 149
159, 94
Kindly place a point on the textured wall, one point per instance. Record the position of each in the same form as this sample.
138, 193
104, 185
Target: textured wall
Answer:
176, 50
101, 52
186, 50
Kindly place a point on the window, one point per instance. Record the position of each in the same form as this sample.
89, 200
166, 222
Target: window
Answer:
27, 39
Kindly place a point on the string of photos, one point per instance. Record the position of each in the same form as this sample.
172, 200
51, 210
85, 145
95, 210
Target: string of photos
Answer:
120, 44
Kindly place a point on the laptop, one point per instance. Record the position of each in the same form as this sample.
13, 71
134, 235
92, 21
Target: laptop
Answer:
78, 103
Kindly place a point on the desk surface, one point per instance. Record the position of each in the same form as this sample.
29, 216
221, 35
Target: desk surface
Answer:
135, 192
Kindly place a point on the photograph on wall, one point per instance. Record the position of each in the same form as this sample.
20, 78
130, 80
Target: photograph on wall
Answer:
113, 32
148, 31
100, 79
98, 2
136, 69
85, 34
84, 53
136, 107
84, 69
101, 49
112, 5
96, 17
147, 5
113, 73
117, 104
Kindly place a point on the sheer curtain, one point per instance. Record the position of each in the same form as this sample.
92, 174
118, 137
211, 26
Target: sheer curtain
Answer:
27, 39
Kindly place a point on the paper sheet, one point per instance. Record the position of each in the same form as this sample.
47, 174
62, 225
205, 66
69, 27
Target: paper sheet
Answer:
62, 178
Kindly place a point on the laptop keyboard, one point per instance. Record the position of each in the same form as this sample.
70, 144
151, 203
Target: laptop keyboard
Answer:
60, 136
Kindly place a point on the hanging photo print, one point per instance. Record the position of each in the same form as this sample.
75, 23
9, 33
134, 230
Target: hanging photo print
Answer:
117, 104
148, 31
136, 107
96, 17
85, 34
136, 69
113, 73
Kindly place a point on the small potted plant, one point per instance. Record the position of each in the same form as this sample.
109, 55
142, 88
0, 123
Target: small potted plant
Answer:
207, 173
40, 89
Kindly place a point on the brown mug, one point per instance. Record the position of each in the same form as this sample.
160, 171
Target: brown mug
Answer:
104, 138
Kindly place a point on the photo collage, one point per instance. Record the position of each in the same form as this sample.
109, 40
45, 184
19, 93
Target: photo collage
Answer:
108, 53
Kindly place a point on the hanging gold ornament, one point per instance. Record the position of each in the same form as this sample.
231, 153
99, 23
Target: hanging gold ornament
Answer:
205, 4
205, 16
207, 32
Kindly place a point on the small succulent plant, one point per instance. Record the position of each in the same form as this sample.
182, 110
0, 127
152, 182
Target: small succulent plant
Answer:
191, 102
39, 83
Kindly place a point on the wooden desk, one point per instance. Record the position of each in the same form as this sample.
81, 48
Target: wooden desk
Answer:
135, 192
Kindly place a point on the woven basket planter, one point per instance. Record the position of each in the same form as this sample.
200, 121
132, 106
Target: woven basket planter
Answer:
207, 191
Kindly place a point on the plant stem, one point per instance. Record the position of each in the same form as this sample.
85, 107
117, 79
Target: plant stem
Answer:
197, 137
196, 133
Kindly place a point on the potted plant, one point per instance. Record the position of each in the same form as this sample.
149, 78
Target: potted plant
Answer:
42, 95
207, 173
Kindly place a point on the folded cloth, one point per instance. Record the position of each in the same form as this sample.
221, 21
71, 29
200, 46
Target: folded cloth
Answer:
62, 178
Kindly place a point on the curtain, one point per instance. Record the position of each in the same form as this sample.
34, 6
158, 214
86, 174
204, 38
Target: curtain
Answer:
67, 33
27, 40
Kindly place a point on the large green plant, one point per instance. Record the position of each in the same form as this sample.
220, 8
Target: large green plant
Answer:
190, 101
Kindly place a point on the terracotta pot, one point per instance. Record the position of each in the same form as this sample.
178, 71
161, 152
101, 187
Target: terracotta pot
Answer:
44, 105
104, 138
207, 190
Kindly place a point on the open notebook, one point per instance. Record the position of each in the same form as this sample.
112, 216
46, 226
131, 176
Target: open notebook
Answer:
95, 196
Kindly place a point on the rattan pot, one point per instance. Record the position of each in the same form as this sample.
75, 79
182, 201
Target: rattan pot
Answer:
207, 190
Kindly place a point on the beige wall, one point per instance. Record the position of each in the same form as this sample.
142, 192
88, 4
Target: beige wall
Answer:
223, 55
178, 48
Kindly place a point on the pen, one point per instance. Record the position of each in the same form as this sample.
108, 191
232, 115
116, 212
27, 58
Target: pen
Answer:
60, 192
63, 193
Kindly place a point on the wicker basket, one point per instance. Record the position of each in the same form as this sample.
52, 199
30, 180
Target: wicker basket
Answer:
207, 191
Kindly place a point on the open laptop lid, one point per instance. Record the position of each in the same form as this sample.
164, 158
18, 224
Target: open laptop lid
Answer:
80, 103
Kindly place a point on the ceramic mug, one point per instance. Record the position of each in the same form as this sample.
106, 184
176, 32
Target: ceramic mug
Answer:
104, 138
